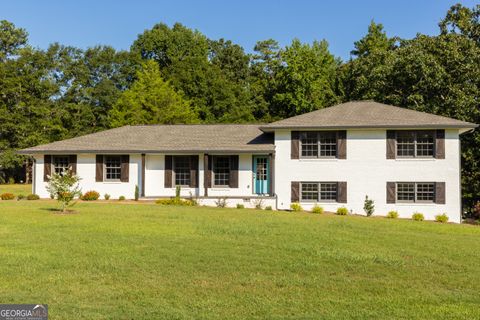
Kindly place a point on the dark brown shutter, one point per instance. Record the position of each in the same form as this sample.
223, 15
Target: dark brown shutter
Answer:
295, 145
391, 192
440, 192
342, 192
72, 163
440, 144
168, 171
99, 168
391, 137
193, 171
295, 191
233, 172
47, 167
208, 172
342, 144
125, 166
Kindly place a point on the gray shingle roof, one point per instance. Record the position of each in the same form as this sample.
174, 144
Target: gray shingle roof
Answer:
245, 138
165, 138
367, 114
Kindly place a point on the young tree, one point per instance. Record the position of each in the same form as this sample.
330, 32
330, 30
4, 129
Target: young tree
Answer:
368, 206
151, 100
64, 187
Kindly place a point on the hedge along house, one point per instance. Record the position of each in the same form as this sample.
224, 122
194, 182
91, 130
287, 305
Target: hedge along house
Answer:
404, 160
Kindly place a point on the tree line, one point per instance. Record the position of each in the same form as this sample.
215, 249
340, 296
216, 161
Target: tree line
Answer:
178, 75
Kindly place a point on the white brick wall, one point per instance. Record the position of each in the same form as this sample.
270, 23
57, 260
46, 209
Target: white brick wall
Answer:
367, 170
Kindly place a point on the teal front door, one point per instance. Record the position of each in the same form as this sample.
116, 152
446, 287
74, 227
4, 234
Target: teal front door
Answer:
261, 175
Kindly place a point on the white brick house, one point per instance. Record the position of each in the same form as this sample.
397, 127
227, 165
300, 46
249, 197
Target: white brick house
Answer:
402, 159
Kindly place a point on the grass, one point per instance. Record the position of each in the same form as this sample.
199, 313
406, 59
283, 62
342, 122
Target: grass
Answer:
145, 261
16, 189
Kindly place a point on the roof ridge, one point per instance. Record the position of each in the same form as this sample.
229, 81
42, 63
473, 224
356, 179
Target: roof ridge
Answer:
365, 113
196, 124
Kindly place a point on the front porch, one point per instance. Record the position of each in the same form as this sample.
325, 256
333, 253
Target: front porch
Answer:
242, 177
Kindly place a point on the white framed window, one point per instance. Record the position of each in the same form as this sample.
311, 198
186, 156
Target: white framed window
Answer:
309, 144
112, 168
318, 144
415, 191
309, 191
318, 191
328, 191
60, 164
221, 171
411, 144
181, 170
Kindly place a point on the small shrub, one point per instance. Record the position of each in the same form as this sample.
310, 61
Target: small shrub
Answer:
90, 196
417, 216
33, 197
137, 192
64, 188
240, 206
121, 198
221, 202
106, 196
368, 206
7, 196
175, 202
392, 214
342, 211
178, 190
296, 207
269, 208
443, 218
11, 180
317, 209
20, 197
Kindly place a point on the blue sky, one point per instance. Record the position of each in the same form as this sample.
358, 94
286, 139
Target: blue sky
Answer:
86, 23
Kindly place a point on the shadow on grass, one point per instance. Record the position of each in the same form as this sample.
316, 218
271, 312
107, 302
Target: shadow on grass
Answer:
59, 211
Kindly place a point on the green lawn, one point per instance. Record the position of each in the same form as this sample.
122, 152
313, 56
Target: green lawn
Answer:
16, 189
145, 261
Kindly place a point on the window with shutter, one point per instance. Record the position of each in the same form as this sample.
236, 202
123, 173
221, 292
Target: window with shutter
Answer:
415, 144
112, 168
322, 191
181, 170
322, 144
60, 164
415, 191
221, 171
